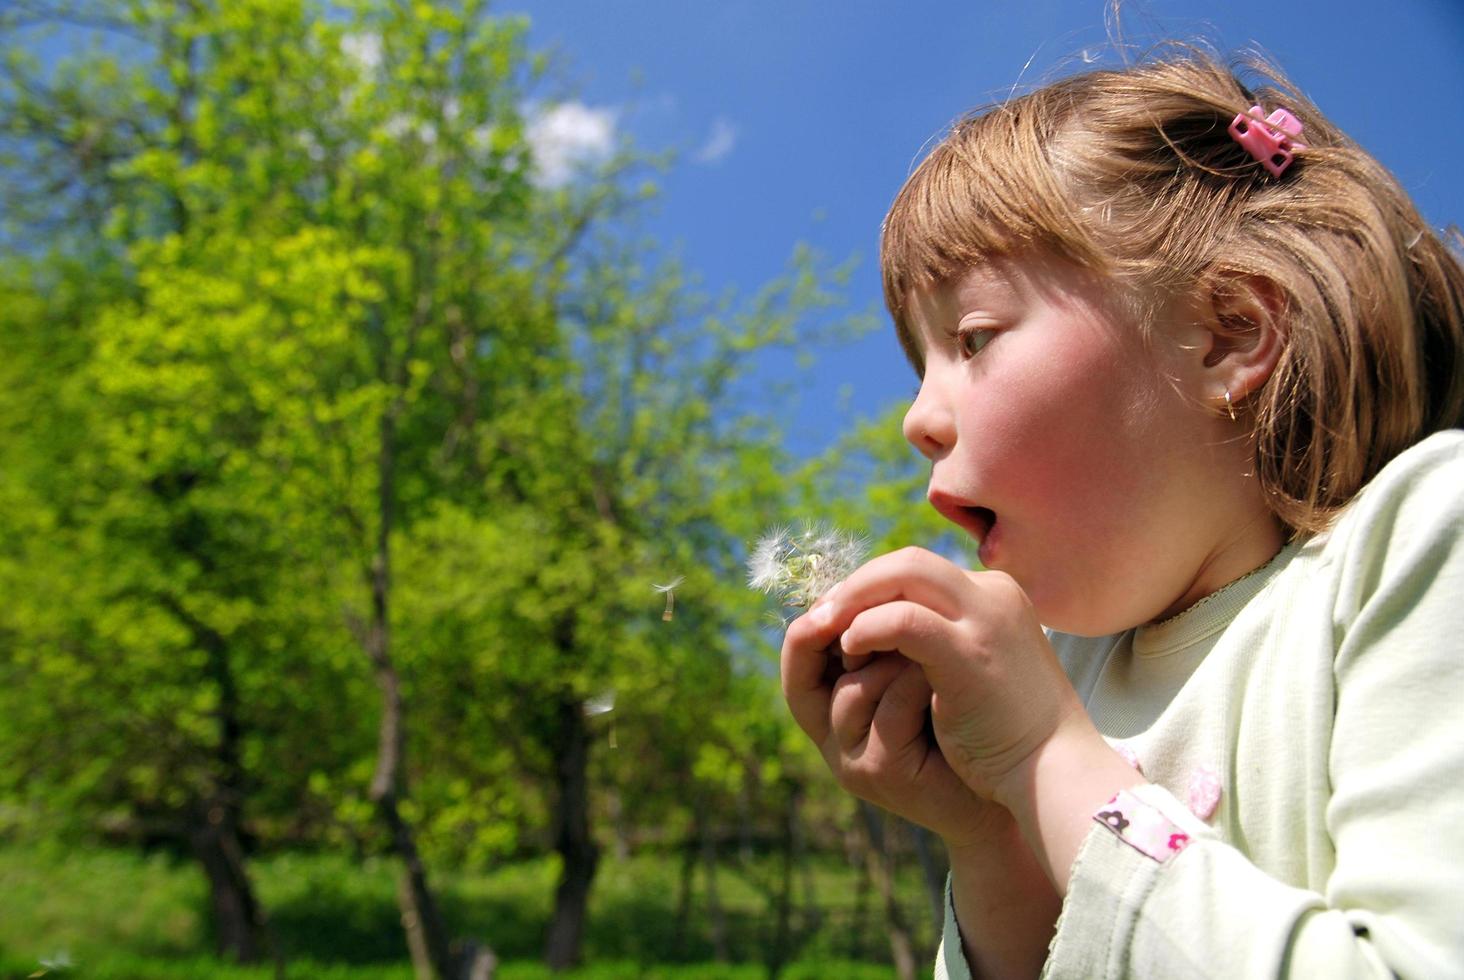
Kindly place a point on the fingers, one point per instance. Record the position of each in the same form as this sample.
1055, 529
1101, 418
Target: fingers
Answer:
882, 704
903, 601
880, 745
908, 627
807, 685
858, 696
901, 716
912, 574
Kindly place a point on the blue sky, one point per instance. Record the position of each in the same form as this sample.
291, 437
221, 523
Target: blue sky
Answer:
797, 120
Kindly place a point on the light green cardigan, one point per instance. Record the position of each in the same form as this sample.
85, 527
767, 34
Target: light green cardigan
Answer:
1325, 695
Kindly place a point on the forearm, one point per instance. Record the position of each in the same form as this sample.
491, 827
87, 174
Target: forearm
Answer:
1006, 909
1055, 793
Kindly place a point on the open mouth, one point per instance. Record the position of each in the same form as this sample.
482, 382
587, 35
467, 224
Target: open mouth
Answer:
976, 521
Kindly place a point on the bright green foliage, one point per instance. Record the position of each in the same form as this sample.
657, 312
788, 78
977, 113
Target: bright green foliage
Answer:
290, 236
292, 242
282, 306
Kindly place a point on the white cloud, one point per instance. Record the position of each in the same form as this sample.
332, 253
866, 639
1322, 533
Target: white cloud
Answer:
720, 142
568, 136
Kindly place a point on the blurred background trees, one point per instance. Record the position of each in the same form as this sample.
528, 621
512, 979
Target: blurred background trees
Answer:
341, 457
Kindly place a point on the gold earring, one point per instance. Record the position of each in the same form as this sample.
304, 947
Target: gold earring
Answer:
1229, 406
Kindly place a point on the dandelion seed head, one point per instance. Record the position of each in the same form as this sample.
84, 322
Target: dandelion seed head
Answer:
798, 567
766, 570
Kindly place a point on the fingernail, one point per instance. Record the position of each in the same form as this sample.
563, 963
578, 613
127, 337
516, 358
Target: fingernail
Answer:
829, 593
822, 616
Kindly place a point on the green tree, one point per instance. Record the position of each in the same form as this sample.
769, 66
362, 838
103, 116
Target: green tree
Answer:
638, 472
306, 235
324, 368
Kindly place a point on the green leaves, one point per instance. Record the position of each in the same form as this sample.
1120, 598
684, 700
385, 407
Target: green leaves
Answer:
275, 236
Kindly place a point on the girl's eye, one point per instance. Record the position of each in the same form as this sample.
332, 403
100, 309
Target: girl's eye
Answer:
971, 341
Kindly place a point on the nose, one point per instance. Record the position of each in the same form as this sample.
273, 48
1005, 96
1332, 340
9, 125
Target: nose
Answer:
929, 426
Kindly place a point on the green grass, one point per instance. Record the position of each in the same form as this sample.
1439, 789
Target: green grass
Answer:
124, 967
119, 915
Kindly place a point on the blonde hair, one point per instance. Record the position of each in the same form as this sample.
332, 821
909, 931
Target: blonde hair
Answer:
1132, 173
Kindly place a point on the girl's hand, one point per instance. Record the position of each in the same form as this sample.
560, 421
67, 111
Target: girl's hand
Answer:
871, 726
1000, 692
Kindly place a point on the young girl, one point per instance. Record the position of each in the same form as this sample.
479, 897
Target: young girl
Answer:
1190, 373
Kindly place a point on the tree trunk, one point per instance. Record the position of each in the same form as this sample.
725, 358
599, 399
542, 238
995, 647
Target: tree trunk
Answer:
811, 914
745, 820
422, 924
234, 911
426, 934
783, 929
215, 825
855, 847
684, 885
619, 825
934, 874
882, 871
715, 917
572, 838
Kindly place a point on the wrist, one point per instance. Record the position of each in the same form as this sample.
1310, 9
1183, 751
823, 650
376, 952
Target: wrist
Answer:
1054, 793
1005, 908
977, 844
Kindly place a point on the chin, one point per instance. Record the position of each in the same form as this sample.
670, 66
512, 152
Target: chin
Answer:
1064, 614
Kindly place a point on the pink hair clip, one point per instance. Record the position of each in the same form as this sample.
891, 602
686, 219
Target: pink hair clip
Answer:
1270, 142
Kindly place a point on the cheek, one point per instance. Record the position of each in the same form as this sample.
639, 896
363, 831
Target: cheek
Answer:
1062, 412
1076, 439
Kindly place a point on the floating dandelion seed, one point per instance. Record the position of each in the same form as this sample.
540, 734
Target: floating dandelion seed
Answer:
670, 591
602, 704
800, 566
59, 961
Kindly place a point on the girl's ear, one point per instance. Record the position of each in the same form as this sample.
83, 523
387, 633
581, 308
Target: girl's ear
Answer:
1243, 334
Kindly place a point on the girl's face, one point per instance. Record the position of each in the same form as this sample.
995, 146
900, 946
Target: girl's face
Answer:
1089, 464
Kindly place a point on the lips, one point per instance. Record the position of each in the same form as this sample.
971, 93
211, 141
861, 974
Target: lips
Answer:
976, 520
